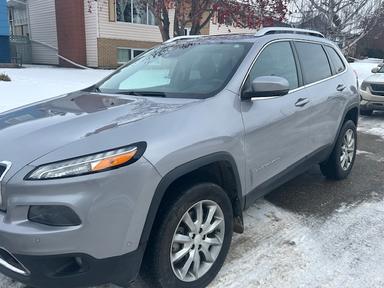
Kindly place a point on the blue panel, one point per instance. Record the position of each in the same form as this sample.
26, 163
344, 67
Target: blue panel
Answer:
4, 49
4, 25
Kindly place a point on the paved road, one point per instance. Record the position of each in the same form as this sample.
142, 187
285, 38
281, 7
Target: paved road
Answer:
312, 232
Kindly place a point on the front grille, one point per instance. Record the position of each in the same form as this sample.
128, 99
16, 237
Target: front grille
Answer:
377, 89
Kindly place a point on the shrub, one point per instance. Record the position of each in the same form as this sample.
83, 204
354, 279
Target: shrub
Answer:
4, 77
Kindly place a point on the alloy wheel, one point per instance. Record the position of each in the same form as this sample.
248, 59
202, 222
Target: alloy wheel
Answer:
347, 150
197, 241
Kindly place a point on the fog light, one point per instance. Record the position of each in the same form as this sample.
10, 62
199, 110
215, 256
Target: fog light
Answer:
53, 215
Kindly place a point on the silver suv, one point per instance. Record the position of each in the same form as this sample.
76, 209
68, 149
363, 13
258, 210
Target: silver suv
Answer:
150, 169
372, 92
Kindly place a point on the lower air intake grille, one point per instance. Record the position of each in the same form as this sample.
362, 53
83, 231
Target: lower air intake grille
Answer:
2, 170
4, 167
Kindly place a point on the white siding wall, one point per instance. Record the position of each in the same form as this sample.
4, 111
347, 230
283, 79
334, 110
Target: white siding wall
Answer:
43, 30
215, 29
91, 32
125, 31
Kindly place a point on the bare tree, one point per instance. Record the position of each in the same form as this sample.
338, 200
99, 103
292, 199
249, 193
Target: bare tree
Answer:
338, 19
371, 21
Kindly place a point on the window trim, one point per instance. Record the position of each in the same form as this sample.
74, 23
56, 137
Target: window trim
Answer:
334, 72
293, 90
132, 53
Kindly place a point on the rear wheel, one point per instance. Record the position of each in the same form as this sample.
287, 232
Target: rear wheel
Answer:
341, 161
192, 239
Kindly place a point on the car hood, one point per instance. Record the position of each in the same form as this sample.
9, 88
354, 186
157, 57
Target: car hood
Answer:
377, 78
33, 131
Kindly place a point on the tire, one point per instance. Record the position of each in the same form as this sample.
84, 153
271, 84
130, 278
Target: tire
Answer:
366, 112
158, 268
335, 168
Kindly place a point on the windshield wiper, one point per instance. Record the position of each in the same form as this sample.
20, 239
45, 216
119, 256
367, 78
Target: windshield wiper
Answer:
143, 93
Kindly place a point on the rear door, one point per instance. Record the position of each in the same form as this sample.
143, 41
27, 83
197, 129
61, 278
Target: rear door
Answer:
276, 134
324, 90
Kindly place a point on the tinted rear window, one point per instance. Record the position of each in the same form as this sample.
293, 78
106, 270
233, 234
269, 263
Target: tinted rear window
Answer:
314, 62
335, 59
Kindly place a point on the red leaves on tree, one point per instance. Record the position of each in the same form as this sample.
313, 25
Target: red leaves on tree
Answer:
196, 14
250, 13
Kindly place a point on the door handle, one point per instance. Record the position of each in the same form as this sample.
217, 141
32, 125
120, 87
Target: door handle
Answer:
340, 87
301, 102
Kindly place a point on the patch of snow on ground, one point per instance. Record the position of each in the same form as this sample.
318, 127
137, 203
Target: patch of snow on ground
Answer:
35, 83
373, 125
281, 249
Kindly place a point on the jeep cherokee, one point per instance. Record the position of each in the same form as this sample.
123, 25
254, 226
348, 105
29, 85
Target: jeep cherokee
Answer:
151, 168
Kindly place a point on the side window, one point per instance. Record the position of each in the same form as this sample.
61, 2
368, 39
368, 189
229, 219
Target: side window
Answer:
314, 62
276, 60
335, 59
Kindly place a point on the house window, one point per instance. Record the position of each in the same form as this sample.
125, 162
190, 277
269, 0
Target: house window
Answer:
134, 11
124, 55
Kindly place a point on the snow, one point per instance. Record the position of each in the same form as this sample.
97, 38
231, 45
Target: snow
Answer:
373, 125
282, 249
279, 248
363, 69
36, 83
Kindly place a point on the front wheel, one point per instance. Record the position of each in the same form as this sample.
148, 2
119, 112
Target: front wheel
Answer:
340, 163
191, 240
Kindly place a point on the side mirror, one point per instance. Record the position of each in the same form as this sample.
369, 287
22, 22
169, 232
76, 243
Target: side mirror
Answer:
266, 86
375, 70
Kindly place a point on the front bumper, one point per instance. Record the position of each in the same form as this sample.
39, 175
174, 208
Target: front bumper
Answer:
112, 206
371, 102
76, 270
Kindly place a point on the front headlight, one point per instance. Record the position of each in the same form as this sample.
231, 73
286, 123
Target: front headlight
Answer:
364, 86
89, 164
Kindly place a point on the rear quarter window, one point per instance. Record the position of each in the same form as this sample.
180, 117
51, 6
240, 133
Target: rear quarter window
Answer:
335, 58
314, 62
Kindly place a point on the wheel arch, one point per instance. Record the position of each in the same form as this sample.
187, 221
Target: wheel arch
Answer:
351, 113
223, 165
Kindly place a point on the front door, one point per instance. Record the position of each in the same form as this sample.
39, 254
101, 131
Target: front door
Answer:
276, 134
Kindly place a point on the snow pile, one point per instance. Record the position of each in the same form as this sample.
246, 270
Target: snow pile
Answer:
36, 83
363, 69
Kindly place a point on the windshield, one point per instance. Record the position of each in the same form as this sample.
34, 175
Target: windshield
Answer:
184, 70
381, 70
